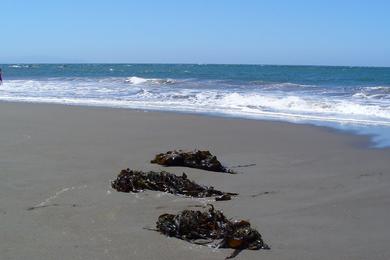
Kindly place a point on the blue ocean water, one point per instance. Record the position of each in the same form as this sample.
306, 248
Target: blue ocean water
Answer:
349, 98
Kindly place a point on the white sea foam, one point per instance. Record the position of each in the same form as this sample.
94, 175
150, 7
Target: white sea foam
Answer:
187, 96
385, 89
377, 92
135, 80
16, 66
282, 86
139, 81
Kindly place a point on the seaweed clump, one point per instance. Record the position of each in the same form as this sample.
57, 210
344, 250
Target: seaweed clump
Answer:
135, 181
211, 227
194, 159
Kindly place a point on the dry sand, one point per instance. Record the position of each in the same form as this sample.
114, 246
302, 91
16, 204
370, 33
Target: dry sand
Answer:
313, 193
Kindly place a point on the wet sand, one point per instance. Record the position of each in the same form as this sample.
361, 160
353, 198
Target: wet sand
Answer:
312, 193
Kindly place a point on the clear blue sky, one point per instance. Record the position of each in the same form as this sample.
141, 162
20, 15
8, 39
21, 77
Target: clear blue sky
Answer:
331, 32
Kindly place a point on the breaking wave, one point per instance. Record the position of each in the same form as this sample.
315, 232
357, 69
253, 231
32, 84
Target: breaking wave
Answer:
139, 81
378, 92
298, 103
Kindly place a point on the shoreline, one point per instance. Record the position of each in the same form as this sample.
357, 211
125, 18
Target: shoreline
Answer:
311, 192
366, 139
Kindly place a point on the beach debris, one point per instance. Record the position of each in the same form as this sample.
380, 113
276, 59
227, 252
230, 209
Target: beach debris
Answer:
211, 227
135, 181
194, 159
53, 205
48, 201
244, 165
263, 193
223, 197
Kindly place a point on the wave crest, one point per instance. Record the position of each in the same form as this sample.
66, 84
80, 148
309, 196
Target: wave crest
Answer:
140, 81
378, 92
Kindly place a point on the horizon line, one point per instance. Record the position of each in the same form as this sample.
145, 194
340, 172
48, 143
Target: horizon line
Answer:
191, 63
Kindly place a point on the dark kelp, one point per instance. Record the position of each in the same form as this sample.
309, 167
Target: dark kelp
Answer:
135, 181
211, 227
194, 159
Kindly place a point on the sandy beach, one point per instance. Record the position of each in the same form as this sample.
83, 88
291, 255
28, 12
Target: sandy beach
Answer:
313, 193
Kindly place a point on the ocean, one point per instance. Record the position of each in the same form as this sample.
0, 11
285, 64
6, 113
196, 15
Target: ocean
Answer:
355, 99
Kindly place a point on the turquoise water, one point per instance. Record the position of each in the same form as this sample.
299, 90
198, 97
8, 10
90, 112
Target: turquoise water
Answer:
348, 98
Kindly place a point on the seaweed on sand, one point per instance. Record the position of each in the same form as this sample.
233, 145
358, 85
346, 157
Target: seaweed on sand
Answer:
211, 227
135, 181
194, 159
